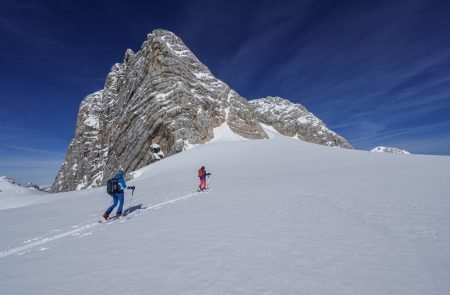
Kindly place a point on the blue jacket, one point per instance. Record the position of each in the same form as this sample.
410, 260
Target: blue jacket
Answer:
122, 184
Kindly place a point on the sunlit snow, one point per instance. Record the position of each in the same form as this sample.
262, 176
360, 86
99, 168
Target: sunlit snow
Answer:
282, 216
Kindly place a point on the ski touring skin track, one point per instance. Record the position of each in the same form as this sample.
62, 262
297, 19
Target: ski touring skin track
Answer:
122, 217
77, 231
110, 219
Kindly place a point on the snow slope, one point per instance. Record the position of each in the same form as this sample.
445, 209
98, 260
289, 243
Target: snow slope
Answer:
224, 133
282, 217
12, 195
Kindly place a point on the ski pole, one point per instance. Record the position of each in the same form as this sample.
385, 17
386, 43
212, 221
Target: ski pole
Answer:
131, 200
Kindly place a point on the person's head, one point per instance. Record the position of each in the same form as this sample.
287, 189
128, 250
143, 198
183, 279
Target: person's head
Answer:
203, 167
121, 173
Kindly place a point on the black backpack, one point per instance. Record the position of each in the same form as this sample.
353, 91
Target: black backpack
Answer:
112, 186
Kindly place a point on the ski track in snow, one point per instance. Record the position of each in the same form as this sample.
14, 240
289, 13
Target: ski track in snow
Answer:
32, 243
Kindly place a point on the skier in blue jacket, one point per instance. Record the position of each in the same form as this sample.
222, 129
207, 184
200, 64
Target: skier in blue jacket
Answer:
118, 197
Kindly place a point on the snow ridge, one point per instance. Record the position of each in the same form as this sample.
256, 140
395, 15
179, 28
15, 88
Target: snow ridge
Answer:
391, 150
294, 120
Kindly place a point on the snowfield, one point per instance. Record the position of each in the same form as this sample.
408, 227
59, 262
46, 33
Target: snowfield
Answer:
12, 195
281, 217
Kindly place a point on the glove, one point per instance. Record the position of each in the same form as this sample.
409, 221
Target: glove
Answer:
131, 187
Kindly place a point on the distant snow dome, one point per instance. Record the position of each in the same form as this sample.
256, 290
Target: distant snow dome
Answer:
392, 150
10, 180
13, 195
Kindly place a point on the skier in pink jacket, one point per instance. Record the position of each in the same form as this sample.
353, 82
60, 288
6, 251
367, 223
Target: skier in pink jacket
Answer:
202, 175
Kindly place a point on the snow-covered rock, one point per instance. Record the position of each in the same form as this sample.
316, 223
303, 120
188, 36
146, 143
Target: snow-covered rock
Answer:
5, 179
33, 186
45, 187
391, 150
294, 120
157, 152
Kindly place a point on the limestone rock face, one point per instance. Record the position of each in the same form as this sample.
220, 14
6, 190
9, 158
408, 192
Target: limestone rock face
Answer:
82, 165
295, 120
161, 95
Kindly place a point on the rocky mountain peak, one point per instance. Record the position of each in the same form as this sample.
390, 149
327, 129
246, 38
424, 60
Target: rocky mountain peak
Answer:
294, 120
162, 100
160, 95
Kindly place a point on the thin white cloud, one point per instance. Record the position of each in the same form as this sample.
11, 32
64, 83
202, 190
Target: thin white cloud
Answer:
30, 169
31, 150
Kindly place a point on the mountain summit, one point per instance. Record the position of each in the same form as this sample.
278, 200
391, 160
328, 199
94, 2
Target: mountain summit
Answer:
160, 96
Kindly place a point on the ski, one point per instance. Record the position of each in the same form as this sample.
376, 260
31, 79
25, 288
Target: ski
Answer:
203, 190
122, 217
110, 219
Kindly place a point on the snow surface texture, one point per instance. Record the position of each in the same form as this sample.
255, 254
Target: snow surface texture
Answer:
392, 150
12, 195
282, 216
224, 133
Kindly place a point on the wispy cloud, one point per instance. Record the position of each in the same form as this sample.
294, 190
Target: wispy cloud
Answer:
29, 169
30, 155
414, 138
31, 150
435, 145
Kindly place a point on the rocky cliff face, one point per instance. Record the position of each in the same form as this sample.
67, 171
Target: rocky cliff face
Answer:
160, 95
295, 120
86, 153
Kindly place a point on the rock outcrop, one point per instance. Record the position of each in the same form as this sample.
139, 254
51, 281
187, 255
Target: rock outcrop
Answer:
295, 120
160, 101
391, 150
86, 154
160, 95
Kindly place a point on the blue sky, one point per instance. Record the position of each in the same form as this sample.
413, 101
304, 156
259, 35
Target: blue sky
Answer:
377, 72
